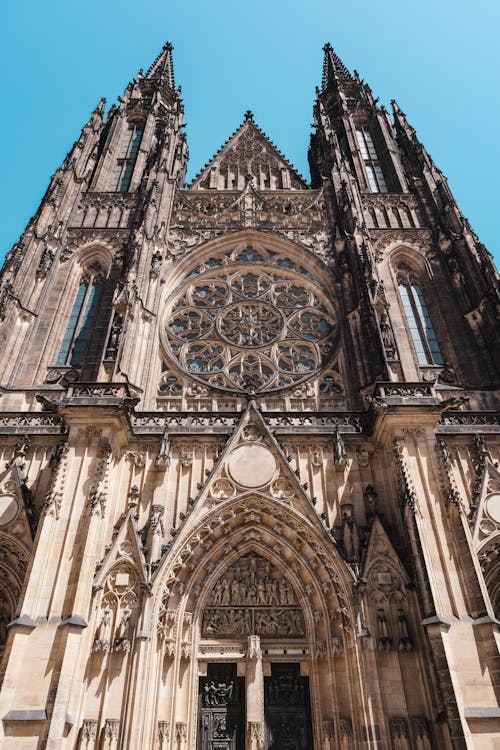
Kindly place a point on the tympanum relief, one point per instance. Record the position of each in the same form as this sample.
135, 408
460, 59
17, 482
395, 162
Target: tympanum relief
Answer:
252, 597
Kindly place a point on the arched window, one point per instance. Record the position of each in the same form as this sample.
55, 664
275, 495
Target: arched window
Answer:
419, 322
126, 161
369, 155
82, 317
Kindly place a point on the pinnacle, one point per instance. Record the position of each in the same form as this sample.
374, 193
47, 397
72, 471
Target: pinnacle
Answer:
334, 68
162, 67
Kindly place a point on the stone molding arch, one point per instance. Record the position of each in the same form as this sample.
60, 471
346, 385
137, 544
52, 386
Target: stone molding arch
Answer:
414, 256
391, 243
223, 243
321, 582
313, 562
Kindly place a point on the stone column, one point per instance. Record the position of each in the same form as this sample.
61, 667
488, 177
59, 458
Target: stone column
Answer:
254, 695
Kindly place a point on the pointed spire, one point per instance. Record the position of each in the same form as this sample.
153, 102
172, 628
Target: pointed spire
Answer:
163, 67
334, 70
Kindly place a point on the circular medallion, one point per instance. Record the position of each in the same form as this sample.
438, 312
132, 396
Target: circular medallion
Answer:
252, 465
221, 489
493, 507
8, 509
250, 324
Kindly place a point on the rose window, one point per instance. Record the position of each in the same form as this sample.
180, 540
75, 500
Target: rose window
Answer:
250, 329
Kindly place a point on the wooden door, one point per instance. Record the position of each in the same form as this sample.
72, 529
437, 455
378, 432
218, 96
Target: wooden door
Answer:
221, 709
287, 709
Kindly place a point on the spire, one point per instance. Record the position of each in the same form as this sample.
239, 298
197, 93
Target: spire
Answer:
163, 67
334, 70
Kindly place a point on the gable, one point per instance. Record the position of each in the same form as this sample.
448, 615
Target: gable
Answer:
249, 156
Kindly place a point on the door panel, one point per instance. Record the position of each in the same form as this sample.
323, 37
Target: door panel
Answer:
287, 709
221, 709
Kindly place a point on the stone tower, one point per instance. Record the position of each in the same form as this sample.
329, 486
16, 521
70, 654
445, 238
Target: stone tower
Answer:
249, 487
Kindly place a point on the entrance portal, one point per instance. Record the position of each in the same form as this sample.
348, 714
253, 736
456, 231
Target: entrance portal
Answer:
222, 709
287, 709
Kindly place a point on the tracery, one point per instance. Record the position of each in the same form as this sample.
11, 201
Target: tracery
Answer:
248, 322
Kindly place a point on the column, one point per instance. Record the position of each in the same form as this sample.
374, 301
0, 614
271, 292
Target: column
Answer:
254, 695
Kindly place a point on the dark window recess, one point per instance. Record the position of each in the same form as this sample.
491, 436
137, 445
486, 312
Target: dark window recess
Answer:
126, 161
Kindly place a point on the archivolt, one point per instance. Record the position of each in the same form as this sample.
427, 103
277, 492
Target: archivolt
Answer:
278, 532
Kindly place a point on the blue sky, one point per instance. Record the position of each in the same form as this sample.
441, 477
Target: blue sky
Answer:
438, 58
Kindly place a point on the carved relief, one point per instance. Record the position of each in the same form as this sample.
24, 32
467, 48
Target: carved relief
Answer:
117, 611
399, 733
252, 597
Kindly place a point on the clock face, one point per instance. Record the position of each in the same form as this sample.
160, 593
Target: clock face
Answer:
250, 327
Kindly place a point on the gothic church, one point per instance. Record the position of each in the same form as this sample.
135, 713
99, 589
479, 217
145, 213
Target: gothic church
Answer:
249, 476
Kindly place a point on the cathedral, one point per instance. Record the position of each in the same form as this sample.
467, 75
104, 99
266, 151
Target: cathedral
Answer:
249, 476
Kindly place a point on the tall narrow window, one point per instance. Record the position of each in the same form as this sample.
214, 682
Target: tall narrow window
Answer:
373, 169
127, 158
82, 316
419, 323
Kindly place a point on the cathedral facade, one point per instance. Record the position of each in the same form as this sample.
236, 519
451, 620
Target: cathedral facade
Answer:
249, 483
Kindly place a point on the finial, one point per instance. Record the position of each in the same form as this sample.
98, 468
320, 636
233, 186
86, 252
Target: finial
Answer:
249, 116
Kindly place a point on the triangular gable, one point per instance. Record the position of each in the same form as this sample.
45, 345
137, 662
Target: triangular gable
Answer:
126, 547
249, 153
382, 567
253, 462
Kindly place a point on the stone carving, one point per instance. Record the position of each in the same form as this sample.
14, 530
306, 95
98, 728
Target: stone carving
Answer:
123, 633
404, 641
399, 733
316, 459
252, 597
103, 633
186, 457
156, 262
328, 735
339, 451
281, 489
422, 733
114, 336
162, 460
350, 534
387, 336
385, 642
99, 488
255, 732
163, 733
46, 260
156, 533
249, 331
222, 489
181, 735
111, 729
345, 728
219, 693
88, 731
58, 464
